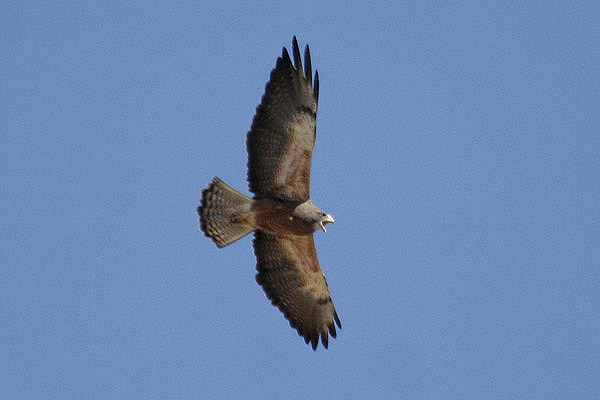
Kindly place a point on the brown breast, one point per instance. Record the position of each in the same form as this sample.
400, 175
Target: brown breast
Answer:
276, 217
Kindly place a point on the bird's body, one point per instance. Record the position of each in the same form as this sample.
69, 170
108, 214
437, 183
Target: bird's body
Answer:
282, 217
280, 145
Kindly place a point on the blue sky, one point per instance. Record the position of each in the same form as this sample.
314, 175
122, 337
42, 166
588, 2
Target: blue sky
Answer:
458, 147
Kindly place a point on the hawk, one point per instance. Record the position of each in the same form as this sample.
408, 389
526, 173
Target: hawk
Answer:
281, 214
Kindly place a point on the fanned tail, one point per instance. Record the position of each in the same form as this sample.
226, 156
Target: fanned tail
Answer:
225, 214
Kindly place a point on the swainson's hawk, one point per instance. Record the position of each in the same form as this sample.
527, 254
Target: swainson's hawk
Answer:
281, 214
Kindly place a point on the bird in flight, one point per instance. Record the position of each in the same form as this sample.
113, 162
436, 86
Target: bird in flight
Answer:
281, 214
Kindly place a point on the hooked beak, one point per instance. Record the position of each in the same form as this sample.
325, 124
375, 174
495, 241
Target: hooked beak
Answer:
328, 218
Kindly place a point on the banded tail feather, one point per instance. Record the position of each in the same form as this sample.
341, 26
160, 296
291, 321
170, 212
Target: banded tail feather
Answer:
224, 213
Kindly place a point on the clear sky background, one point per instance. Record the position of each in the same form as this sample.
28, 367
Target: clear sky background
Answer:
458, 147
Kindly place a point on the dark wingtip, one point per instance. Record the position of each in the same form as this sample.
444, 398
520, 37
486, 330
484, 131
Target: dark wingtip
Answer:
307, 64
316, 87
324, 339
285, 55
297, 64
332, 330
337, 320
314, 341
296, 51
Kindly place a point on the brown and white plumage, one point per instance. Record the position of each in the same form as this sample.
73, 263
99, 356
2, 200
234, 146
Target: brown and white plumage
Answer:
282, 137
280, 144
289, 272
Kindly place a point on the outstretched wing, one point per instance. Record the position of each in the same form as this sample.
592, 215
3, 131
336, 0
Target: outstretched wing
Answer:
289, 272
282, 136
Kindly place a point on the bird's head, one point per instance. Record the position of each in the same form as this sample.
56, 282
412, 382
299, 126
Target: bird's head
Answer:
324, 219
312, 216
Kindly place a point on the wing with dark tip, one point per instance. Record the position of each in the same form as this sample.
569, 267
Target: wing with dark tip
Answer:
282, 136
289, 273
